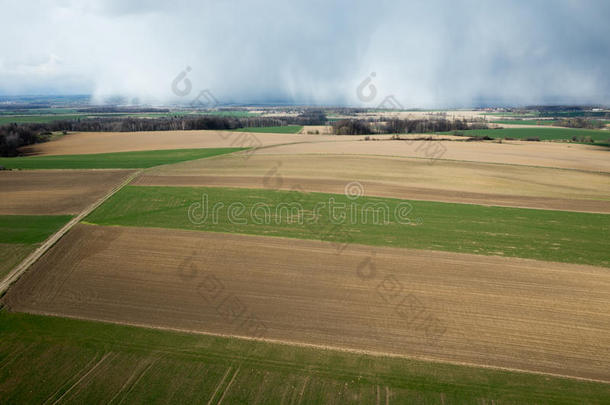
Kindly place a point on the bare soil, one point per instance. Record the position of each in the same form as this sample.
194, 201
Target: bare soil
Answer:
54, 192
547, 154
491, 311
108, 142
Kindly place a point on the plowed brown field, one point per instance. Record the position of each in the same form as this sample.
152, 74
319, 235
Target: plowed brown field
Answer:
493, 311
106, 142
548, 154
405, 178
55, 192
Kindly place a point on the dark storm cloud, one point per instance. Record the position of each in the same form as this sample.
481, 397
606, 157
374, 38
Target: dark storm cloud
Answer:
426, 53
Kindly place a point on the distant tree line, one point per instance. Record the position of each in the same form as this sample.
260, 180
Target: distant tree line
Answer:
310, 117
349, 111
114, 109
404, 126
22, 107
175, 123
580, 123
14, 136
352, 127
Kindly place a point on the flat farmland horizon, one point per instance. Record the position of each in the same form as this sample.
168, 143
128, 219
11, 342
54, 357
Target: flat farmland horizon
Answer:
142, 259
295, 203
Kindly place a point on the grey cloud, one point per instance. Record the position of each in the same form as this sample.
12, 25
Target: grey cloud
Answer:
427, 54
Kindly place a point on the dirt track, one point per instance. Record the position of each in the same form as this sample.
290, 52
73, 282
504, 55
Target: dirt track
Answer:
53, 192
516, 313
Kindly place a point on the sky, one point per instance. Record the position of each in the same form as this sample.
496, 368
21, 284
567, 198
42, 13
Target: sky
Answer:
413, 54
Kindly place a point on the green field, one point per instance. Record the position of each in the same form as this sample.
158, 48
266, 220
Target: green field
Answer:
11, 254
40, 118
46, 359
120, 160
573, 114
39, 111
29, 228
544, 134
537, 234
21, 234
288, 129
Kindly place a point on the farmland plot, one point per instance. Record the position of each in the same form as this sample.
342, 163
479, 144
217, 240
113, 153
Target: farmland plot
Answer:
547, 154
98, 362
55, 191
501, 312
406, 178
112, 142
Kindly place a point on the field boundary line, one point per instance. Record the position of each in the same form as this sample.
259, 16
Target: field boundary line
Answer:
132, 381
220, 384
14, 274
13, 356
74, 377
303, 390
286, 389
374, 353
294, 390
92, 369
152, 168
228, 387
